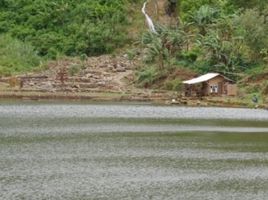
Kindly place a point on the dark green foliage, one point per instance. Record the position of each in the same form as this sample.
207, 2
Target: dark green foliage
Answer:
71, 27
260, 4
203, 17
175, 85
75, 69
16, 56
147, 76
189, 7
163, 46
265, 88
190, 56
251, 25
213, 36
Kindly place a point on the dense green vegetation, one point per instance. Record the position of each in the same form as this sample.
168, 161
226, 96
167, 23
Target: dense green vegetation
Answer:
230, 37
70, 27
16, 56
66, 27
224, 36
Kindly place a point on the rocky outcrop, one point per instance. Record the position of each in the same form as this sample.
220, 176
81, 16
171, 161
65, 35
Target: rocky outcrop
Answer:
103, 73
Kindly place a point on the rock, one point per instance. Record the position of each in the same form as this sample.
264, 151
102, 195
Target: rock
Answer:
31, 84
109, 66
103, 66
101, 83
120, 69
76, 86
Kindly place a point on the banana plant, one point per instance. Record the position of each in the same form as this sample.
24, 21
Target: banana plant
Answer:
164, 45
203, 17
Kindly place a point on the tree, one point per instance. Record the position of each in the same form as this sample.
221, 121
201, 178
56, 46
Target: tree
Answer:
70, 27
260, 4
251, 25
221, 47
189, 7
203, 17
163, 45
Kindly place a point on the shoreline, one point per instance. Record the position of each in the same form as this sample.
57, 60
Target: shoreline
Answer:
117, 97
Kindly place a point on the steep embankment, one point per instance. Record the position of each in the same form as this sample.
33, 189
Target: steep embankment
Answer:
92, 77
32, 32
101, 78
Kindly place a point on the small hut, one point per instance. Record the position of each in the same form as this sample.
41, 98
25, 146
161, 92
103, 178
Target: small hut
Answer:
211, 84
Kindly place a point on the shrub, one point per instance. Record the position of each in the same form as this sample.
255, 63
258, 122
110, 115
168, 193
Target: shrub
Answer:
16, 56
75, 69
131, 54
175, 85
13, 82
188, 57
265, 88
147, 76
70, 27
252, 26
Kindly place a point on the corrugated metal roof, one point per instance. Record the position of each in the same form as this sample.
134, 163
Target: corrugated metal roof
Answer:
201, 79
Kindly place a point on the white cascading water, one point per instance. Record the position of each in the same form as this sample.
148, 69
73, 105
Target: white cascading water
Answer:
148, 19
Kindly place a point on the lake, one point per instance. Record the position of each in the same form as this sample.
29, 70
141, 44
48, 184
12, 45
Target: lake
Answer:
86, 151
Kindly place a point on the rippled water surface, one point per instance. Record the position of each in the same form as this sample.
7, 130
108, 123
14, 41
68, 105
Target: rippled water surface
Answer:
86, 151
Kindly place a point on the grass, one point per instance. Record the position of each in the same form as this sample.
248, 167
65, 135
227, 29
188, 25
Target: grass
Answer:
16, 56
255, 83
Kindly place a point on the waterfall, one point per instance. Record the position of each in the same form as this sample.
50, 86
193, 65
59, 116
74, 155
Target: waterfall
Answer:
148, 19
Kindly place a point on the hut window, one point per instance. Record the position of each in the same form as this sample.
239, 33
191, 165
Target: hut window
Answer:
213, 89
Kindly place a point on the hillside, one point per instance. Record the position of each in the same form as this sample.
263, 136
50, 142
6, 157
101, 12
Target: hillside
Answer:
193, 37
207, 36
68, 27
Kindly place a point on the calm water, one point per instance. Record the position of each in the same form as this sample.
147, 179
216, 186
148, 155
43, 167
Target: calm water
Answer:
85, 151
